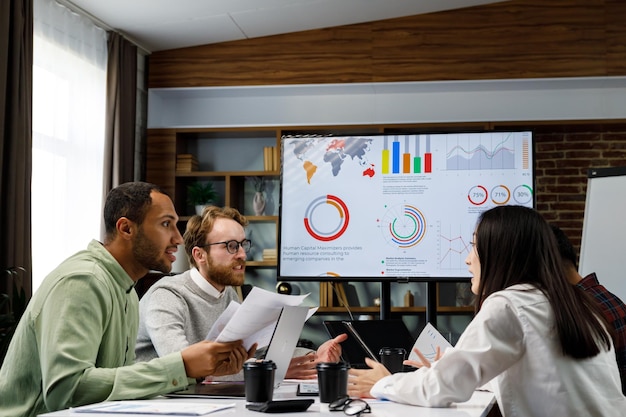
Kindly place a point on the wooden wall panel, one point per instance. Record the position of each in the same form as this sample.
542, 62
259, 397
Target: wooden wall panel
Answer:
511, 39
344, 54
616, 37
503, 40
161, 158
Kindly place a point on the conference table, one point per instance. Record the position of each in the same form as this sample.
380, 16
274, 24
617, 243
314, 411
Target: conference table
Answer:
479, 405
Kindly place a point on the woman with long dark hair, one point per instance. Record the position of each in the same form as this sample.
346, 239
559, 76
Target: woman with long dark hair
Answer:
542, 342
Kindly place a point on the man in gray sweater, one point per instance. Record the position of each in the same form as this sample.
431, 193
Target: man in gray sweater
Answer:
179, 311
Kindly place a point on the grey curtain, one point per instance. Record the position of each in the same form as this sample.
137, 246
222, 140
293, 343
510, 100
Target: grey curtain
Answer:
16, 80
119, 145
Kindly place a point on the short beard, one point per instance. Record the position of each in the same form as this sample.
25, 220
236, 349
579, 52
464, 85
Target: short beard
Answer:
224, 274
148, 255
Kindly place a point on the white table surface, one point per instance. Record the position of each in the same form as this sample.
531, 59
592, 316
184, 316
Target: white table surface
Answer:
478, 406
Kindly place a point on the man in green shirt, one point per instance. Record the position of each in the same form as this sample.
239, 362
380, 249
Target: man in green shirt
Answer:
75, 344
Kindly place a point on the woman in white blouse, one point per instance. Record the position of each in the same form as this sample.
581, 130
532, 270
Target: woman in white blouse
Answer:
541, 342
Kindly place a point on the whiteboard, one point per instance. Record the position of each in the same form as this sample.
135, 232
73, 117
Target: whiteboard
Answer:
603, 245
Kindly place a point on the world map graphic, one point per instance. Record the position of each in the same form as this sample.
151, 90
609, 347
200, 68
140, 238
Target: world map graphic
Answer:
316, 152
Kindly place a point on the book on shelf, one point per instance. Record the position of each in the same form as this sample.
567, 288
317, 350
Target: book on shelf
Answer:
186, 167
275, 159
270, 254
186, 162
268, 158
271, 158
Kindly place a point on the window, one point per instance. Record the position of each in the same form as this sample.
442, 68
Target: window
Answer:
69, 97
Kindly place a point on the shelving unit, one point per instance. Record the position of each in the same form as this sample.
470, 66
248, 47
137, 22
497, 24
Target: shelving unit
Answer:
228, 157
239, 156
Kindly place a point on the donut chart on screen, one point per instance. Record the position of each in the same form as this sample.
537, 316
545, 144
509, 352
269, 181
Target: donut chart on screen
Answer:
405, 225
326, 233
500, 194
477, 195
329, 274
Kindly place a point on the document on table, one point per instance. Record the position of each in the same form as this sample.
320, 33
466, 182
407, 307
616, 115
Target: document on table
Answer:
427, 343
253, 321
173, 408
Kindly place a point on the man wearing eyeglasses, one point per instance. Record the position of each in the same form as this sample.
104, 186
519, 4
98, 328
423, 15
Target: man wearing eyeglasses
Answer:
179, 311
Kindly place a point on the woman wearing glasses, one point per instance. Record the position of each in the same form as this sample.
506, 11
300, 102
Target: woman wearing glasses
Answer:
180, 310
542, 343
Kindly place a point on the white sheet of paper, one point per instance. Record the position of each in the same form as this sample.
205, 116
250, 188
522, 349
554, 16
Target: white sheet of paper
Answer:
254, 320
222, 320
153, 407
264, 336
427, 343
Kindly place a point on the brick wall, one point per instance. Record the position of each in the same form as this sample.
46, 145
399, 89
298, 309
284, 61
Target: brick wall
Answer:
563, 157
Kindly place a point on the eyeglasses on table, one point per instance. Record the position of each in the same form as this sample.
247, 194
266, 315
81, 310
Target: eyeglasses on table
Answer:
350, 407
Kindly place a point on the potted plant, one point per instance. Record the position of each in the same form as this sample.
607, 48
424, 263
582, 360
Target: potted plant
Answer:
12, 307
201, 194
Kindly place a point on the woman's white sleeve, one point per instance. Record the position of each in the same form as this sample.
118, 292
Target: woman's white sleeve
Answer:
490, 344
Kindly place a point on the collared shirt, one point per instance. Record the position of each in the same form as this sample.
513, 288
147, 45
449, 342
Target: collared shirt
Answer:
204, 284
615, 313
75, 343
513, 343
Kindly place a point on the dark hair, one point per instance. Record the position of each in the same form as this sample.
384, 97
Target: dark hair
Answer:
566, 249
515, 245
130, 200
198, 227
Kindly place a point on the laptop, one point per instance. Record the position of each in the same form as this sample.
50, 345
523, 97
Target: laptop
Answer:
285, 339
367, 337
280, 350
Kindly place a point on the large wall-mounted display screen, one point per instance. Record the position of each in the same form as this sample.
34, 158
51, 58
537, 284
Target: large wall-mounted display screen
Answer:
394, 207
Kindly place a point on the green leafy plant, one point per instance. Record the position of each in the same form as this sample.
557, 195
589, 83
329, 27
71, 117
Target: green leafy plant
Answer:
12, 307
201, 193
